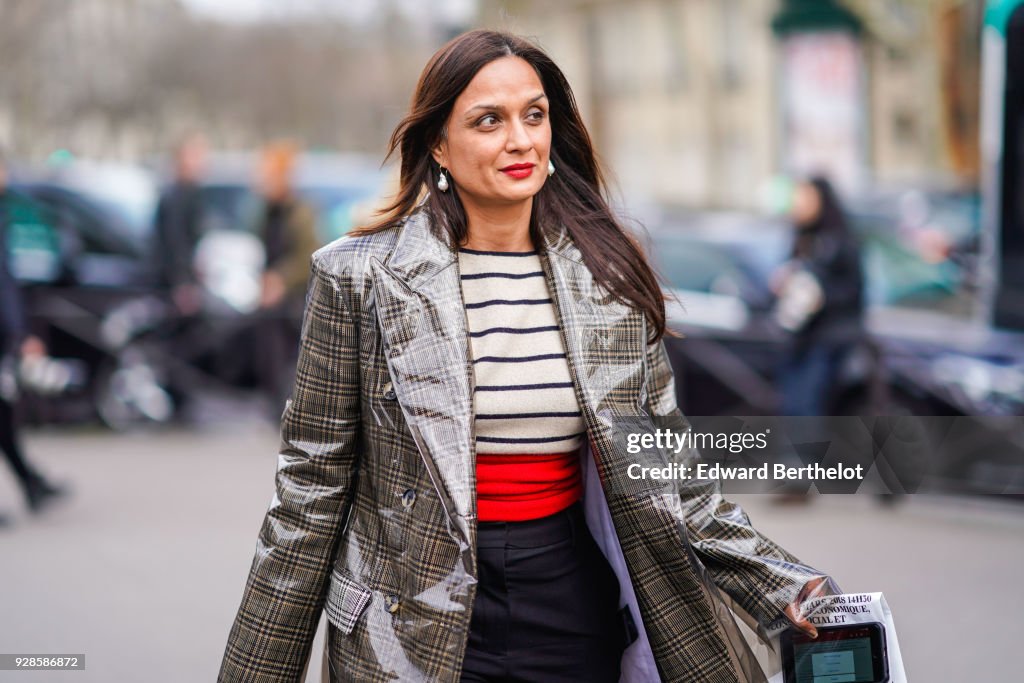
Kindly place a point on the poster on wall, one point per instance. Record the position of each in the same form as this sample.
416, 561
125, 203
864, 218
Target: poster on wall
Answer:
823, 107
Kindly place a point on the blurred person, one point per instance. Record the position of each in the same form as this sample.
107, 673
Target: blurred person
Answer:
437, 488
16, 343
179, 223
179, 227
820, 298
288, 228
821, 303
288, 232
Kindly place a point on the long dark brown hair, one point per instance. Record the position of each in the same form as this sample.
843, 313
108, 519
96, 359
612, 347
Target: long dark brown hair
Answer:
574, 197
826, 230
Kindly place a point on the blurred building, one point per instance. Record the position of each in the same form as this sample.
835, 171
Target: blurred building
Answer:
698, 102
125, 79
70, 75
692, 102
924, 68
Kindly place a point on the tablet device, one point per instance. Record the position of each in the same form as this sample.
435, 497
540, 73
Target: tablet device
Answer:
840, 654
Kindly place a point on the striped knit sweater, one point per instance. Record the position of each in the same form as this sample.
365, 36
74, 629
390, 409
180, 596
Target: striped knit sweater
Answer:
528, 423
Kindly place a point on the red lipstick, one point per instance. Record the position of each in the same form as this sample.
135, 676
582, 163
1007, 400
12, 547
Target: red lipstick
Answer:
519, 171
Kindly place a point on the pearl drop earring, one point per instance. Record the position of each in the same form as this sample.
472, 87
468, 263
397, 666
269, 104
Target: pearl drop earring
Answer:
442, 181
551, 168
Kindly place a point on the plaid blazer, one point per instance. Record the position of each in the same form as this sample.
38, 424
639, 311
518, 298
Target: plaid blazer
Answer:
374, 516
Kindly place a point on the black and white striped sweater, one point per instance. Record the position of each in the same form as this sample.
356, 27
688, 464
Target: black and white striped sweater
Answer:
524, 397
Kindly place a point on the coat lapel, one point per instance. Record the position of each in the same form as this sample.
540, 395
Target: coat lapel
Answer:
605, 343
423, 325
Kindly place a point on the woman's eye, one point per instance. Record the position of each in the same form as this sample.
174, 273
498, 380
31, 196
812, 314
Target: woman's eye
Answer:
488, 120
536, 115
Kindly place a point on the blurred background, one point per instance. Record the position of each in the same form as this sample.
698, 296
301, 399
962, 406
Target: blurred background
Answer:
168, 166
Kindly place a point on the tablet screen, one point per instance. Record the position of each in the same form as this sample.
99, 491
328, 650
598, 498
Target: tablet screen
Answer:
835, 658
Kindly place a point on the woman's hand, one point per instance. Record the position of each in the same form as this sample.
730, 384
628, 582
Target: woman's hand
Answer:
33, 347
794, 610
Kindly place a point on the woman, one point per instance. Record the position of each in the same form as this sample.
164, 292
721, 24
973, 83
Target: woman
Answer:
820, 298
463, 515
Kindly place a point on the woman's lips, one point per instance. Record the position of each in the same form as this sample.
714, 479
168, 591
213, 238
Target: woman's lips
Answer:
518, 171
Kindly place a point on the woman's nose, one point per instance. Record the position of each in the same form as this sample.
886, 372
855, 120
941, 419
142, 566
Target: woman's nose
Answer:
518, 137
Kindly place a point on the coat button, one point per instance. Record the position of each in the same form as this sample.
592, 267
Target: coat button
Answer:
392, 603
408, 498
390, 395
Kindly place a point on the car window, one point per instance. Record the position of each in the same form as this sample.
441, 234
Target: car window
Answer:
737, 269
32, 239
687, 264
83, 227
123, 196
230, 207
896, 272
336, 208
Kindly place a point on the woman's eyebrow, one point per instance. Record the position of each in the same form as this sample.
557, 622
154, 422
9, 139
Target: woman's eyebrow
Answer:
498, 107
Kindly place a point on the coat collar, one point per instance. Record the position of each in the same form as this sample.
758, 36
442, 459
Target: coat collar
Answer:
421, 315
419, 254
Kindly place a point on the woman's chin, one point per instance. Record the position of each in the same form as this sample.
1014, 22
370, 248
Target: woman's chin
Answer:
509, 197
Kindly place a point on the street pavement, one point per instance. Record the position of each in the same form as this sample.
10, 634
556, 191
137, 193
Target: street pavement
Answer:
143, 567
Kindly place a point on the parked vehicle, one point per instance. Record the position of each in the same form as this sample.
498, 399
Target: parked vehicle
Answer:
80, 250
85, 256
719, 267
928, 355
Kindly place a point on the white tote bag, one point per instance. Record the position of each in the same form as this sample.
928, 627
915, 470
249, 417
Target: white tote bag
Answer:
833, 610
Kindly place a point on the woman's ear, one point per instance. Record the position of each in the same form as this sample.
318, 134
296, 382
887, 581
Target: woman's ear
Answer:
440, 150
439, 154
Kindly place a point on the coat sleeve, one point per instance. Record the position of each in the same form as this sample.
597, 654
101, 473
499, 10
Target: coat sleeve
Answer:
758, 574
273, 631
836, 265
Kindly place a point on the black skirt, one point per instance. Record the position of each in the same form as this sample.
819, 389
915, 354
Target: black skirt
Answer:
546, 607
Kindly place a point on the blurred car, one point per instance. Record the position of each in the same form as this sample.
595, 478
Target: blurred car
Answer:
921, 246
83, 248
343, 189
79, 246
924, 357
719, 266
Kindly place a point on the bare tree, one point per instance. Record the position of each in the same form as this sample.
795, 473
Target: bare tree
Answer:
125, 77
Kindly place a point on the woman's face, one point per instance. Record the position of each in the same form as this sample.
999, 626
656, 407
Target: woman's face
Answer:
499, 136
806, 205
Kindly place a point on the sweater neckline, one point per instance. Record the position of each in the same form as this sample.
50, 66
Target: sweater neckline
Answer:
478, 252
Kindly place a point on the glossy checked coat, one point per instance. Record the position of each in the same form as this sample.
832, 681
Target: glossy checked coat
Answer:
374, 519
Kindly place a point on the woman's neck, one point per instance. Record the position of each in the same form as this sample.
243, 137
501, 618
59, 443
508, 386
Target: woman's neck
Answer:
505, 228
